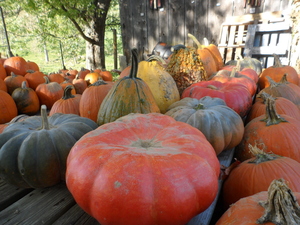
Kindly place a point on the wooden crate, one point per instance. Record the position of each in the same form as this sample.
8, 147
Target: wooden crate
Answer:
256, 35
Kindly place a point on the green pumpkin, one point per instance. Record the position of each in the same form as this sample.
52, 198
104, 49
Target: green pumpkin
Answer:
248, 62
221, 125
33, 152
129, 94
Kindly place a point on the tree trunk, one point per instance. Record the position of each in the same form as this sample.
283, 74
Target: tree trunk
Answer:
95, 52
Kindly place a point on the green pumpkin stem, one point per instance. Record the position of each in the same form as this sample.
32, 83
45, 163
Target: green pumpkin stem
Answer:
68, 92
199, 106
272, 117
157, 58
199, 46
281, 206
134, 64
45, 122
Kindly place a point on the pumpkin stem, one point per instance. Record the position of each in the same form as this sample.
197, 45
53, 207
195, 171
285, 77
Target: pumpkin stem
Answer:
277, 62
238, 65
283, 79
272, 117
264, 96
199, 46
98, 83
134, 64
67, 92
260, 155
233, 72
212, 87
23, 85
281, 206
45, 122
199, 106
272, 82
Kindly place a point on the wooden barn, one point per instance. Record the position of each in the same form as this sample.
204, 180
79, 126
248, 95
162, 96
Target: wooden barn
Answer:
238, 27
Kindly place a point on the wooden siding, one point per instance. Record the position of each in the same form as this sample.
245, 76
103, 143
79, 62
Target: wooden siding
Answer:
143, 27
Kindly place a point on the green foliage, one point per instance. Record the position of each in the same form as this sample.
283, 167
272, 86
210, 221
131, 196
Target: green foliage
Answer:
37, 29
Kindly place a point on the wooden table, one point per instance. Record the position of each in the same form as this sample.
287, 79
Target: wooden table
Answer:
55, 205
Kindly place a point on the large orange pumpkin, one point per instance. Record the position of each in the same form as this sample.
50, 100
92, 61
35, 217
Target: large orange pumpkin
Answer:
155, 171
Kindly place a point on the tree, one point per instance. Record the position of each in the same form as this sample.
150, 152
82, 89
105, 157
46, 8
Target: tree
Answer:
87, 16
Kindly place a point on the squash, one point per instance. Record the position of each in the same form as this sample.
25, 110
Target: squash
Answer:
221, 125
14, 81
33, 152
34, 78
16, 64
278, 205
160, 82
155, 171
129, 94
247, 62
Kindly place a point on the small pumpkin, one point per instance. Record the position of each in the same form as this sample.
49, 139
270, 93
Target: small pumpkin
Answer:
157, 170
221, 125
49, 92
278, 205
92, 77
68, 104
92, 98
26, 100
33, 66
33, 152
247, 62
128, 95
56, 77
34, 78
79, 84
14, 81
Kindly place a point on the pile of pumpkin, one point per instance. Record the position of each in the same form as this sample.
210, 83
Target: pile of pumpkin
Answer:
144, 147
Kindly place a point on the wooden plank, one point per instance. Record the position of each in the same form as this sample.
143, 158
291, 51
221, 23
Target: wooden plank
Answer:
250, 40
239, 41
273, 27
269, 50
76, 216
250, 18
41, 206
10, 194
231, 41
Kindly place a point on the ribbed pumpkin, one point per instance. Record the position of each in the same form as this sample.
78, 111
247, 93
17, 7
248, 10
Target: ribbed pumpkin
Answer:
282, 106
49, 92
186, 68
92, 97
26, 100
279, 134
276, 72
14, 81
221, 125
128, 95
160, 82
33, 152
8, 108
255, 175
68, 104
150, 167
236, 96
278, 205
214, 50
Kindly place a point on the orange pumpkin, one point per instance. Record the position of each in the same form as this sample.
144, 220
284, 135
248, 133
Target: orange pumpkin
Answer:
3, 73
8, 108
33, 66
80, 84
3, 86
49, 92
276, 72
92, 77
16, 64
14, 81
68, 104
34, 78
56, 77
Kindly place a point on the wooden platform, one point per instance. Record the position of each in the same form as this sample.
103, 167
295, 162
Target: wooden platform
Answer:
55, 205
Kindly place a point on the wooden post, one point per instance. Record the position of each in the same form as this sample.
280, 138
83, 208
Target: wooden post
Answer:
10, 54
115, 49
62, 56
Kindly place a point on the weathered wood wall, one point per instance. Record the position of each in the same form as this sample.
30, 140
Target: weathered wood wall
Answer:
143, 27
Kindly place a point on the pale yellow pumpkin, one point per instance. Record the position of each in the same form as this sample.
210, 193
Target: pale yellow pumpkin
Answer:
160, 82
